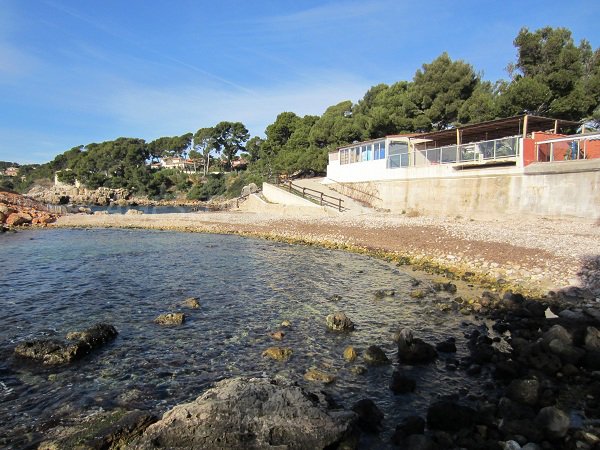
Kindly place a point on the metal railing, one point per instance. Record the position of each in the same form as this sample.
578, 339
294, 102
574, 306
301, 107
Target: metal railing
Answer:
571, 148
313, 195
472, 152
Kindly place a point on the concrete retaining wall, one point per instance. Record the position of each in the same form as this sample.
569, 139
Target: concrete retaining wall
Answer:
543, 191
277, 195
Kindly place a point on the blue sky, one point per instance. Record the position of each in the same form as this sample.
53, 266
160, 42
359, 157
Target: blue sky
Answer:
75, 72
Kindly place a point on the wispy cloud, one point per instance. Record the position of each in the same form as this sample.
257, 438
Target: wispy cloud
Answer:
155, 112
328, 13
130, 40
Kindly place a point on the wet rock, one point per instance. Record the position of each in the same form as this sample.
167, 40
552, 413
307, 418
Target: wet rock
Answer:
554, 422
318, 376
414, 351
191, 302
286, 324
511, 445
445, 287
592, 339
241, 413
383, 293
419, 442
278, 353
339, 322
53, 352
358, 370
568, 354
409, 426
524, 391
400, 383
375, 356
369, 415
277, 335
350, 354
557, 332
334, 298
449, 416
418, 293
170, 319
447, 346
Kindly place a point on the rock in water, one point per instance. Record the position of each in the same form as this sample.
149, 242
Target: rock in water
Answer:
191, 302
318, 376
170, 319
257, 413
339, 322
369, 415
375, 356
278, 353
52, 351
350, 354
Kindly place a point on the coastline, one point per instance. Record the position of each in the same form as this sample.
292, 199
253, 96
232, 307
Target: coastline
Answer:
531, 255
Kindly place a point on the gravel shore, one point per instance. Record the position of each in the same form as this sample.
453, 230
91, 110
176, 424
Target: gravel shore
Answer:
537, 254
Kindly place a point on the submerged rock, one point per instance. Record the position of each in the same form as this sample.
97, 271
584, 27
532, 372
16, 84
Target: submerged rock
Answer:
383, 293
375, 356
191, 302
257, 413
170, 319
277, 335
52, 351
369, 415
350, 354
402, 384
278, 353
318, 376
339, 322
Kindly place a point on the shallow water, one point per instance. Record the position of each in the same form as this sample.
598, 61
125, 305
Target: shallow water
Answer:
56, 281
116, 209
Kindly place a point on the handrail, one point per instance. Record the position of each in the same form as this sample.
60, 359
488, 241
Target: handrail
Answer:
294, 188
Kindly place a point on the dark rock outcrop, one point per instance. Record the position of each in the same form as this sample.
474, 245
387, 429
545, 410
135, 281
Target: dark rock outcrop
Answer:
369, 415
52, 351
258, 413
375, 356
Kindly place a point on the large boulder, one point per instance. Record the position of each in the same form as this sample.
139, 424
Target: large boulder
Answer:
553, 421
53, 352
17, 219
257, 413
449, 416
339, 322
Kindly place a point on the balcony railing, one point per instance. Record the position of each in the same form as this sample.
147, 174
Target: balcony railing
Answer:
473, 152
571, 148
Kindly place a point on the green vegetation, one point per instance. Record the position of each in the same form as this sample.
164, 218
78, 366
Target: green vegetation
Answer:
553, 76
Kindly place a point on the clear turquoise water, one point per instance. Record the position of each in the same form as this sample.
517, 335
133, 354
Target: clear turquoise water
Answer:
56, 281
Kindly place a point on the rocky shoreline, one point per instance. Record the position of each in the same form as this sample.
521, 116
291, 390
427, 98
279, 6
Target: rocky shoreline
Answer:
541, 360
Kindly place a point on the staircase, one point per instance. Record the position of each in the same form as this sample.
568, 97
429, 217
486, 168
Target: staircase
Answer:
351, 206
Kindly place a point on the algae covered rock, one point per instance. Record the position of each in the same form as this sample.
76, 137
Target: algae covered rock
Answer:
170, 319
191, 302
375, 356
318, 376
258, 413
350, 354
339, 322
278, 353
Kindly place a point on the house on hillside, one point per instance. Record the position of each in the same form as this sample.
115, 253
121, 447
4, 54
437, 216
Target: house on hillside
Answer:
177, 163
11, 172
502, 145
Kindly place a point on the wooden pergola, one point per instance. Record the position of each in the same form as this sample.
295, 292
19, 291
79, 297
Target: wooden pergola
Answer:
496, 129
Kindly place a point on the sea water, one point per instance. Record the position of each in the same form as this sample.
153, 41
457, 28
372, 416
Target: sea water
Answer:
56, 281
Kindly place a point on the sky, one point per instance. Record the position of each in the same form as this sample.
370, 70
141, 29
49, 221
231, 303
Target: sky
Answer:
74, 72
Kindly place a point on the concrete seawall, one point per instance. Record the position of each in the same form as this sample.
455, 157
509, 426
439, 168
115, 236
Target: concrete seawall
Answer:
542, 190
